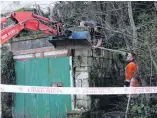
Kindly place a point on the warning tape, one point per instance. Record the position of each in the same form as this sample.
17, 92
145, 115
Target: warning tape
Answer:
77, 90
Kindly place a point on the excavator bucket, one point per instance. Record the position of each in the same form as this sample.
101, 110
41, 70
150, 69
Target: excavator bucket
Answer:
77, 40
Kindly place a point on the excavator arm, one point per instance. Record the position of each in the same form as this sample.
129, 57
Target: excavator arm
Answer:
10, 32
27, 21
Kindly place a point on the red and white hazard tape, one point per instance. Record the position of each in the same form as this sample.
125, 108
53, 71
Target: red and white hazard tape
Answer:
77, 90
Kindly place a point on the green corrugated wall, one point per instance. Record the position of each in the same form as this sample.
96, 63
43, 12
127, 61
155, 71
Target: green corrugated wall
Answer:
42, 72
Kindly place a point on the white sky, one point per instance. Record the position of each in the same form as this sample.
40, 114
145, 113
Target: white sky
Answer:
7, 6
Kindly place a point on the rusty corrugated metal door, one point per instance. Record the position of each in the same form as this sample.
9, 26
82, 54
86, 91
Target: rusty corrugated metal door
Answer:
42, 72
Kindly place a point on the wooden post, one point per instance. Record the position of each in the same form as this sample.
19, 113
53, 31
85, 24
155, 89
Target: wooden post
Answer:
127, 108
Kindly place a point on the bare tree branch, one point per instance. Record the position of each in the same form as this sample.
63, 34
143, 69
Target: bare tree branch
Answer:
155, 4
132, 25
152, 59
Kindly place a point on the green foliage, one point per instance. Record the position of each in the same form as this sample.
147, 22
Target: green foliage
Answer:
140, 108
147, 36
7, 66
7, 77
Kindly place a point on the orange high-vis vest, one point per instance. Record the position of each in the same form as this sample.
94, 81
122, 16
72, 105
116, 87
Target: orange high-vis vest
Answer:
129, 72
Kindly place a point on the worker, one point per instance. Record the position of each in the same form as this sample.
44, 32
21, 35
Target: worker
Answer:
131, 71
93, 27
89, 24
